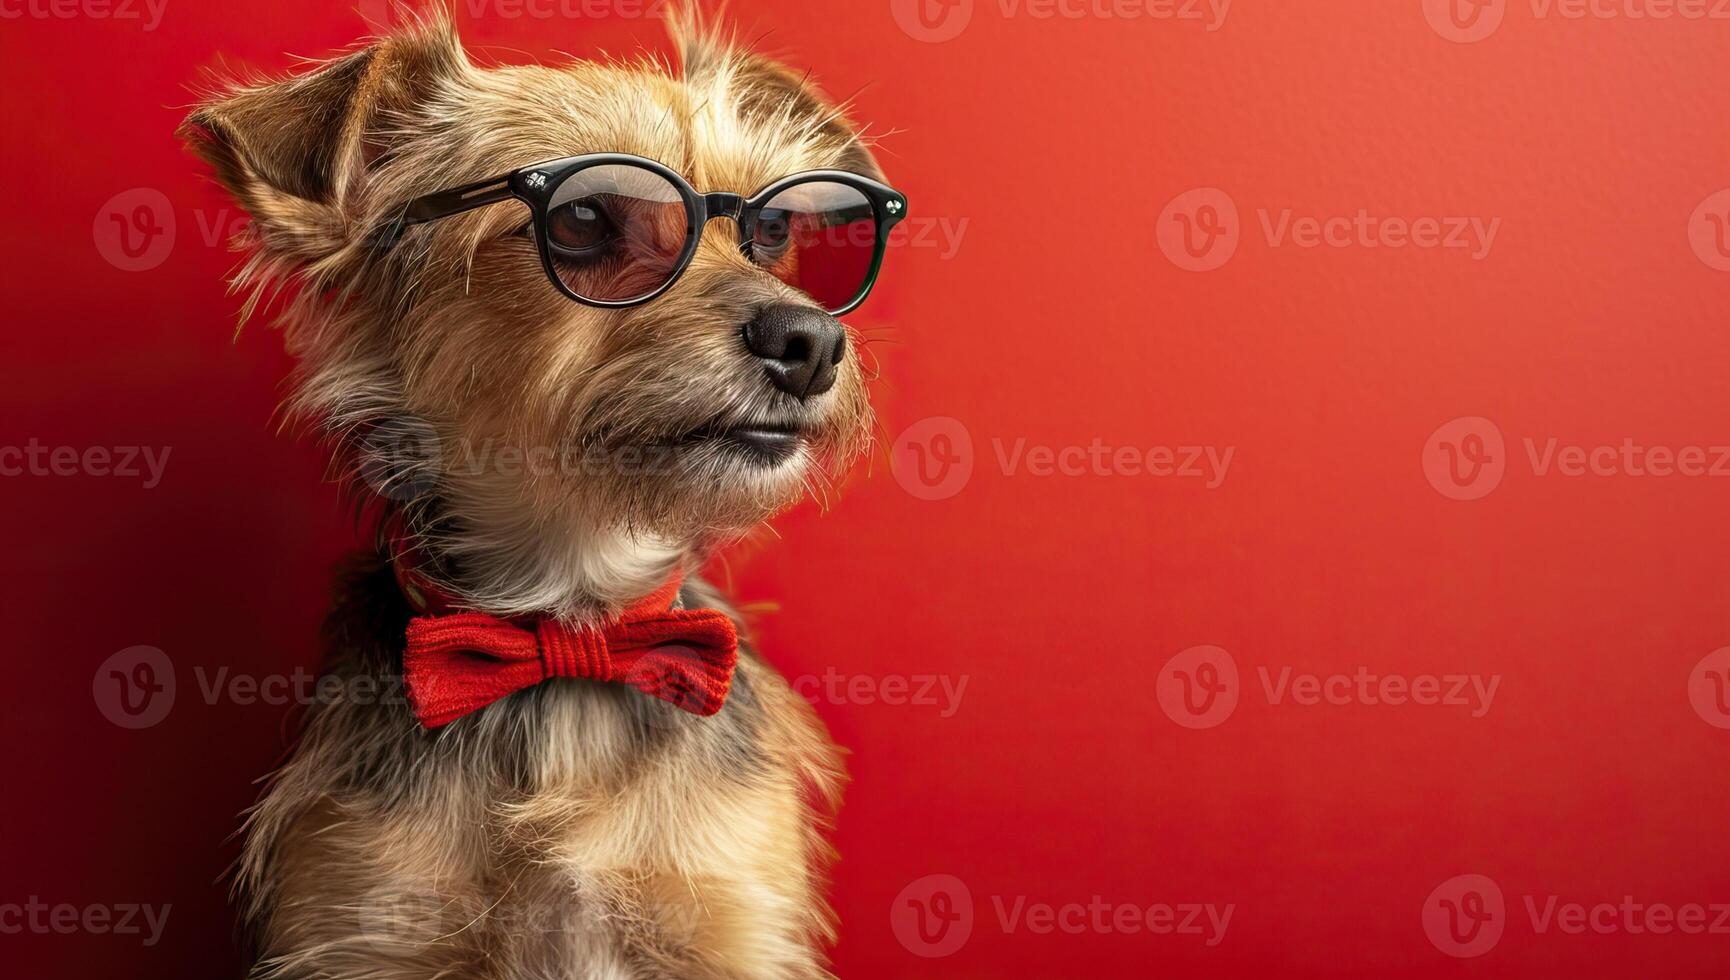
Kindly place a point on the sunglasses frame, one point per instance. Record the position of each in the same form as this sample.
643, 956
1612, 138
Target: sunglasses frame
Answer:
536, 184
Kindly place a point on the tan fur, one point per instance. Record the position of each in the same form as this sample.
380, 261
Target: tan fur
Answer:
595, 862
574, 830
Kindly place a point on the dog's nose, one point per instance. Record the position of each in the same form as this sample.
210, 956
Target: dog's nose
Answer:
800, 347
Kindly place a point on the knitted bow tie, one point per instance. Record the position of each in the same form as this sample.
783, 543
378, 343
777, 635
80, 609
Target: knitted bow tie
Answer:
459, 663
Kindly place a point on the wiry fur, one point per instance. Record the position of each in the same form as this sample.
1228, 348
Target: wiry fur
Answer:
573, 829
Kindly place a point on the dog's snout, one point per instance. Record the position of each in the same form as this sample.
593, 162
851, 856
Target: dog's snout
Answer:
800, 347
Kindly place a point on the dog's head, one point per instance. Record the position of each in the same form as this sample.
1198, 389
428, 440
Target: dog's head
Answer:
553, 454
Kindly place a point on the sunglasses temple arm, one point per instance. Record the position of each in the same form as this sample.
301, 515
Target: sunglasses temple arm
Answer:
443, 204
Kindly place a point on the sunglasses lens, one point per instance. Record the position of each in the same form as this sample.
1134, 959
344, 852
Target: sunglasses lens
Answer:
819, 237
616, 233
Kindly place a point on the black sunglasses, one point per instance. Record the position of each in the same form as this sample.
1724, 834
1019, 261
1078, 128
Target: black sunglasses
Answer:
616, 230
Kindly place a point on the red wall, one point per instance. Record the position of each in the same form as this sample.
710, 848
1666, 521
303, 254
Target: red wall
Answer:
1391, 502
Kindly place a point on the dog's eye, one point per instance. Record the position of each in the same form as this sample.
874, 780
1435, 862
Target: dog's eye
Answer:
579, 227
771, 237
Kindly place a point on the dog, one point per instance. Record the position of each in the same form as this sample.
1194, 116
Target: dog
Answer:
551, 473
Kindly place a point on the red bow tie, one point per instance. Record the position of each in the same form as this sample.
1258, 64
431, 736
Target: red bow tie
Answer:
460, 663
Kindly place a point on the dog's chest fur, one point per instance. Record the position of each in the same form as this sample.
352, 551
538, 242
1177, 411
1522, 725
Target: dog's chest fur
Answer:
572, 830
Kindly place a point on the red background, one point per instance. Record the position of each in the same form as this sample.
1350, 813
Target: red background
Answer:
1056, 319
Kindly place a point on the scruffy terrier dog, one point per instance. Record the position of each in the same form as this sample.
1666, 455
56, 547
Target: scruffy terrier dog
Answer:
563, 385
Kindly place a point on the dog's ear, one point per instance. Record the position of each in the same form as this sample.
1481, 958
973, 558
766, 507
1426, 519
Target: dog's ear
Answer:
764, 86
295, 152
